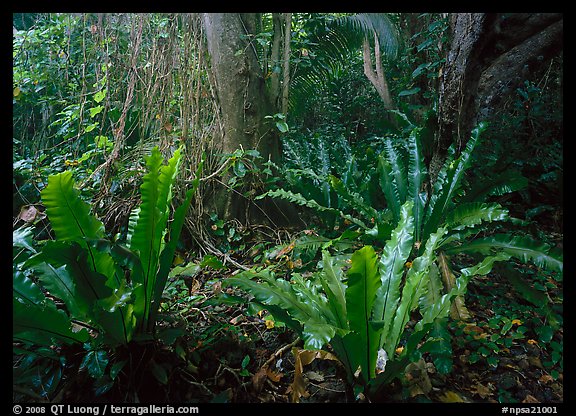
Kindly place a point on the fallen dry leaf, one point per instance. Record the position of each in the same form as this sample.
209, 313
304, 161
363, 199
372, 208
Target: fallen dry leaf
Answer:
546, 378
530, 399
302, 358
482, 390
274, 376
29, 213
452, 397
258, 379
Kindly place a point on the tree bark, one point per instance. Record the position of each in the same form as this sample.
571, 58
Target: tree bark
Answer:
242, 93
376, 77
275, 59
489, 57
286, 66
244, 102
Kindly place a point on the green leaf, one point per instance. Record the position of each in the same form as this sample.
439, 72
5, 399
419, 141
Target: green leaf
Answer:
25, 290
91, 127
116, 368
411, 91
394, 256
96, 110
420, 69
282, 126
524, 249
331, 278
95, 362
506, 182
297, 198
416, 176
147, 223
413, 286
239, 168
353, 199
317, 334
158, 371
100, 95
363, 283
170, 248
69, 216
474, 213
59, 282
272, 291
398, 170
23, 237
449, 181
388, 186
485, 266
43, 324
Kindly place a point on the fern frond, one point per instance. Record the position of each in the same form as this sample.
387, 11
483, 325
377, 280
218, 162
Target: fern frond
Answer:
523, 248
297, 198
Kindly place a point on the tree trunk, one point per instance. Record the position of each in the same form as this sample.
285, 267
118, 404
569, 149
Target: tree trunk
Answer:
241, 90
286, 70
275, 59
376, 77
489, 57
244, 102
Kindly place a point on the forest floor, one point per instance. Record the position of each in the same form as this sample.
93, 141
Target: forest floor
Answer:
520, 373
508, 351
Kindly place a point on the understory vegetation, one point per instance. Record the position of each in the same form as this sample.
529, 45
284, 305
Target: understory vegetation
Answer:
383, 278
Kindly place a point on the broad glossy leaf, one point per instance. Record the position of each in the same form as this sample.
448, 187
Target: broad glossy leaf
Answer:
485, 266
43, 325
297, 198
504, 183
170, 248
398, 170
331, 278
59, 282
25, 289
272, 291
23, 237
353, 199
95, 362
416, 176
474, 213
69, 216
415, 278
388, 187
147, 223
450, 182
392, 262
317, 334
431, 292
363, 282
90, 284
524, 249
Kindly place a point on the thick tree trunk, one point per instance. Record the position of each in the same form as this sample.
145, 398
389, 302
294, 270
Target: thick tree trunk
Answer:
242, 93
244, 102
489, 57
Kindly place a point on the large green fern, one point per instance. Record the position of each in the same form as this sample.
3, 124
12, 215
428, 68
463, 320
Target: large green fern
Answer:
361, 312
112, 288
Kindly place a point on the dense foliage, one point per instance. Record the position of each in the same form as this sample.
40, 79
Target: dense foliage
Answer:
130, 285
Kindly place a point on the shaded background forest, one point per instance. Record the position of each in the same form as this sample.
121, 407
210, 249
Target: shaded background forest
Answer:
278, 102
